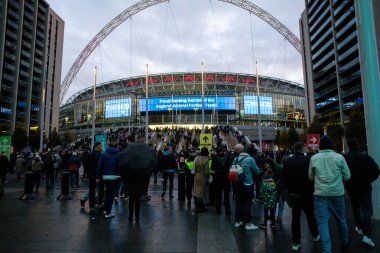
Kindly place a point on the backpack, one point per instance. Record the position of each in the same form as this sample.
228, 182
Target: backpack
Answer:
236, 173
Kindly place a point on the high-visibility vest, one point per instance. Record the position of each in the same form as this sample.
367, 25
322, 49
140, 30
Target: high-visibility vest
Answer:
189, 164
209, 167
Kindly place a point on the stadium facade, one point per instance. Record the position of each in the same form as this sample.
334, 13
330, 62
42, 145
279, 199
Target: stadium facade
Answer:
175, 99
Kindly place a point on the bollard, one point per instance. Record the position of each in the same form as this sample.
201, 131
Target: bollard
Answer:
181, 185
65, 186
28, 186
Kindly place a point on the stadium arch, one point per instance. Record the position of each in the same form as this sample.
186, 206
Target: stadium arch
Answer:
144, 4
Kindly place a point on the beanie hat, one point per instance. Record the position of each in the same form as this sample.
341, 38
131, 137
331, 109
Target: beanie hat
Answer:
325, 143
204, 152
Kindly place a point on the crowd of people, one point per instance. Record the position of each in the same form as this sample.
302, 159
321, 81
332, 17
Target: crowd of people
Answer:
313, 183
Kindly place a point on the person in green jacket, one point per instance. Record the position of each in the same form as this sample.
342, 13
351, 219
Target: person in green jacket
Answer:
328, 170
268, 198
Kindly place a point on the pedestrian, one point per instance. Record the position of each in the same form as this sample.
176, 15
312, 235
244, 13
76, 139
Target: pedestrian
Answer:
37, 166
73, 165
108, 170
135, 183
4, 166
268, 197
364, 171
296, 180
20, 165
49, 171
201, 170
222, 185
168, 166
328, 170
282, 196
189, 181
92, 165
244, 191
57, 163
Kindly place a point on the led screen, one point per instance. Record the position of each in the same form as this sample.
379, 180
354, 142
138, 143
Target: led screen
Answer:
188, 103
251, 105
118, 108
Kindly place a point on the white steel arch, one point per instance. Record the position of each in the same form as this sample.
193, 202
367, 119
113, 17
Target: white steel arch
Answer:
142, 5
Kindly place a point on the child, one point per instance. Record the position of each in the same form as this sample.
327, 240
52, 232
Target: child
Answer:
268, 196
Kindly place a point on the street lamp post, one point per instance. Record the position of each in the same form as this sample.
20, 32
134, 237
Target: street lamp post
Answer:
203, 102
195, 115
93, 111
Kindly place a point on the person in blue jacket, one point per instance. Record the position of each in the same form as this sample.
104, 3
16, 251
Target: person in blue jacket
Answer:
108, 170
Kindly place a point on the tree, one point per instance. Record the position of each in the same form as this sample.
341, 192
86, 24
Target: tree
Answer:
19, 138
335, 131
67, 137
292, 136
315, 127
54, 139
34, 139
355, 128
284, 138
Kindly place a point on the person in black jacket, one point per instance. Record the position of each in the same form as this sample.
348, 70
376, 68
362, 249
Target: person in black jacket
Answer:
364, 171
296, 180
92, 164
168, 166
4, 166
222, 185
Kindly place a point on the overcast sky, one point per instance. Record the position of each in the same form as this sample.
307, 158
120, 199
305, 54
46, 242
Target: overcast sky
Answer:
178, 36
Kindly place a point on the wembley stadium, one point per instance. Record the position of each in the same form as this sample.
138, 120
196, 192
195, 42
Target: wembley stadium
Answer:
175, 100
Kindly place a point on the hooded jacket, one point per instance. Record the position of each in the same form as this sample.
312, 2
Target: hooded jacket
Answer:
364, 171
108, 165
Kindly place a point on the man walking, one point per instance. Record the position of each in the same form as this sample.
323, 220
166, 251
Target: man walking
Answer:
108, 170
296, 181
328, 170
92, 164
364, 171
168, 166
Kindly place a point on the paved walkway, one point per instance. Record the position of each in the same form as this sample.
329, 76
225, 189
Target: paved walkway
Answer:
48, 225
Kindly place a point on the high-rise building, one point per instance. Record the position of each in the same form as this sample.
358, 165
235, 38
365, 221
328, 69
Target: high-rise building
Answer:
332, 72
31, 47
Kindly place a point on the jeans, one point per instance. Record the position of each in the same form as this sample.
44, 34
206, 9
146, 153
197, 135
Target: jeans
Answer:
243, 203
111, 186
281, 205
323, 205
100, 192
272, 212
49, 182
299, 204
165, 176
74, 178
362, 202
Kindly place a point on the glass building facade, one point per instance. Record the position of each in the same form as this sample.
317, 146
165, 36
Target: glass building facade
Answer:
30, 64
331, 58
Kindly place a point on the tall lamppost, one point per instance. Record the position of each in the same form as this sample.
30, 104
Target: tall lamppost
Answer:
93, 111
203, 102
195, 115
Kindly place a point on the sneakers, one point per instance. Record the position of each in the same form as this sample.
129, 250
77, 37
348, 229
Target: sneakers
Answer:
250, 226
273, 225
109, 216
82, 203
263, 225
368, 241
238, 224
317, 238
296, 246
359, 231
